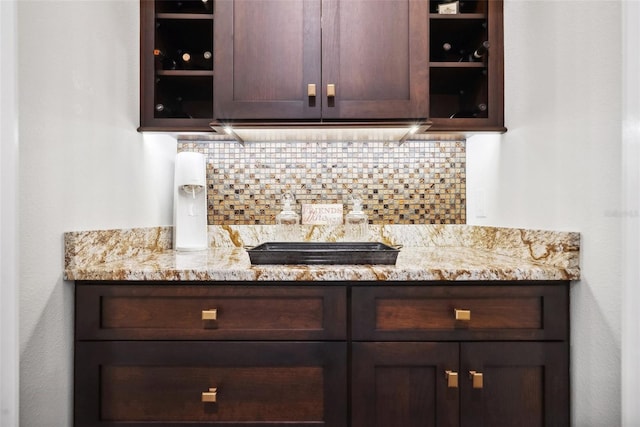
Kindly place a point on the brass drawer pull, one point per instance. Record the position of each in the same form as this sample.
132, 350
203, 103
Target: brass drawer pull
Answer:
210, 396
476, 379
464, 315
211, 314
452, 379
331, 91
311, 90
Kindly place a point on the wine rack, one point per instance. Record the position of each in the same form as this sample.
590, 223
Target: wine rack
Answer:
466, 90
177, 65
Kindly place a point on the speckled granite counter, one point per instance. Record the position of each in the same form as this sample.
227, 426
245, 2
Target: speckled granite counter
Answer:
429, 252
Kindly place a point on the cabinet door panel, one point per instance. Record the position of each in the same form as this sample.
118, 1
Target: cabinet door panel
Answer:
375, 52
403, 384
266, 53
524, 385
266, 384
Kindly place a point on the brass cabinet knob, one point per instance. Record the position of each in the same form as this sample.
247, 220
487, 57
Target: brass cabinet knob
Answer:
331, 91
211, 314
311, 90
476, 379
464, 315
452, 379
210, 396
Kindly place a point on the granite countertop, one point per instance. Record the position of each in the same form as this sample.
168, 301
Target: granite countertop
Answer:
429, 253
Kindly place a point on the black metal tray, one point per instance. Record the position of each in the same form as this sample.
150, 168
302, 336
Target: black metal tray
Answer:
323, 253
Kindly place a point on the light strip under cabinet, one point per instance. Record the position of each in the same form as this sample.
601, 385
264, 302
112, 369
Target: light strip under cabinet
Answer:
319, 131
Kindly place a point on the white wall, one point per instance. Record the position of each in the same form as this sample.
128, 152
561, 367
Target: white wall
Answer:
9, 356
83, 166
631, 214
558, 167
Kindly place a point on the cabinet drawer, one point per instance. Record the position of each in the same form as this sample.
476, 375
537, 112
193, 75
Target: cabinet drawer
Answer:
460, 313
176, 312
217, 384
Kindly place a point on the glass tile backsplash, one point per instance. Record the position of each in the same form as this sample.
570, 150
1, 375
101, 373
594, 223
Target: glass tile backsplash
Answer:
418, 182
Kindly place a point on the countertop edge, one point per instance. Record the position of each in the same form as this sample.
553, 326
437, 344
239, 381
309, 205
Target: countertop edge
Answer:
430, 253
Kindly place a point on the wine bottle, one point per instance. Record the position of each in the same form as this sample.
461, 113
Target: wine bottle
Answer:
160, 108
207, 4
163, 62
174, 110
185, 59
191, 6
480, 52
449, 54
190, 61
475, 112
448, 7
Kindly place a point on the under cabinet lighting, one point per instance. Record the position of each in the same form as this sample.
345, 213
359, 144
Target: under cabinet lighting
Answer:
231, 132
388, 131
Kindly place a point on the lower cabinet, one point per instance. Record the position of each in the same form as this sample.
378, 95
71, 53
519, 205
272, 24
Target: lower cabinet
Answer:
181, 355
460, 356
335, 355
460, 384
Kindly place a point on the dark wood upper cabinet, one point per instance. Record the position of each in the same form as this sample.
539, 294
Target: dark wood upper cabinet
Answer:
375, 53
321, 61
267, 52
279, 59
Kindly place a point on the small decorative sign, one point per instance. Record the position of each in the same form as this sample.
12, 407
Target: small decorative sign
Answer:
322, 214
449, 8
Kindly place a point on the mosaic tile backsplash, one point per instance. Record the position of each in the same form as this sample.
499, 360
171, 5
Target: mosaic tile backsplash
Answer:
418, 182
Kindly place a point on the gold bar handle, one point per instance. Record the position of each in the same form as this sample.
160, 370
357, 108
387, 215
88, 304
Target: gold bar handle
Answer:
210, 396
311, 90
211, 314
452, 379
331, 91
476, 379
464, 315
